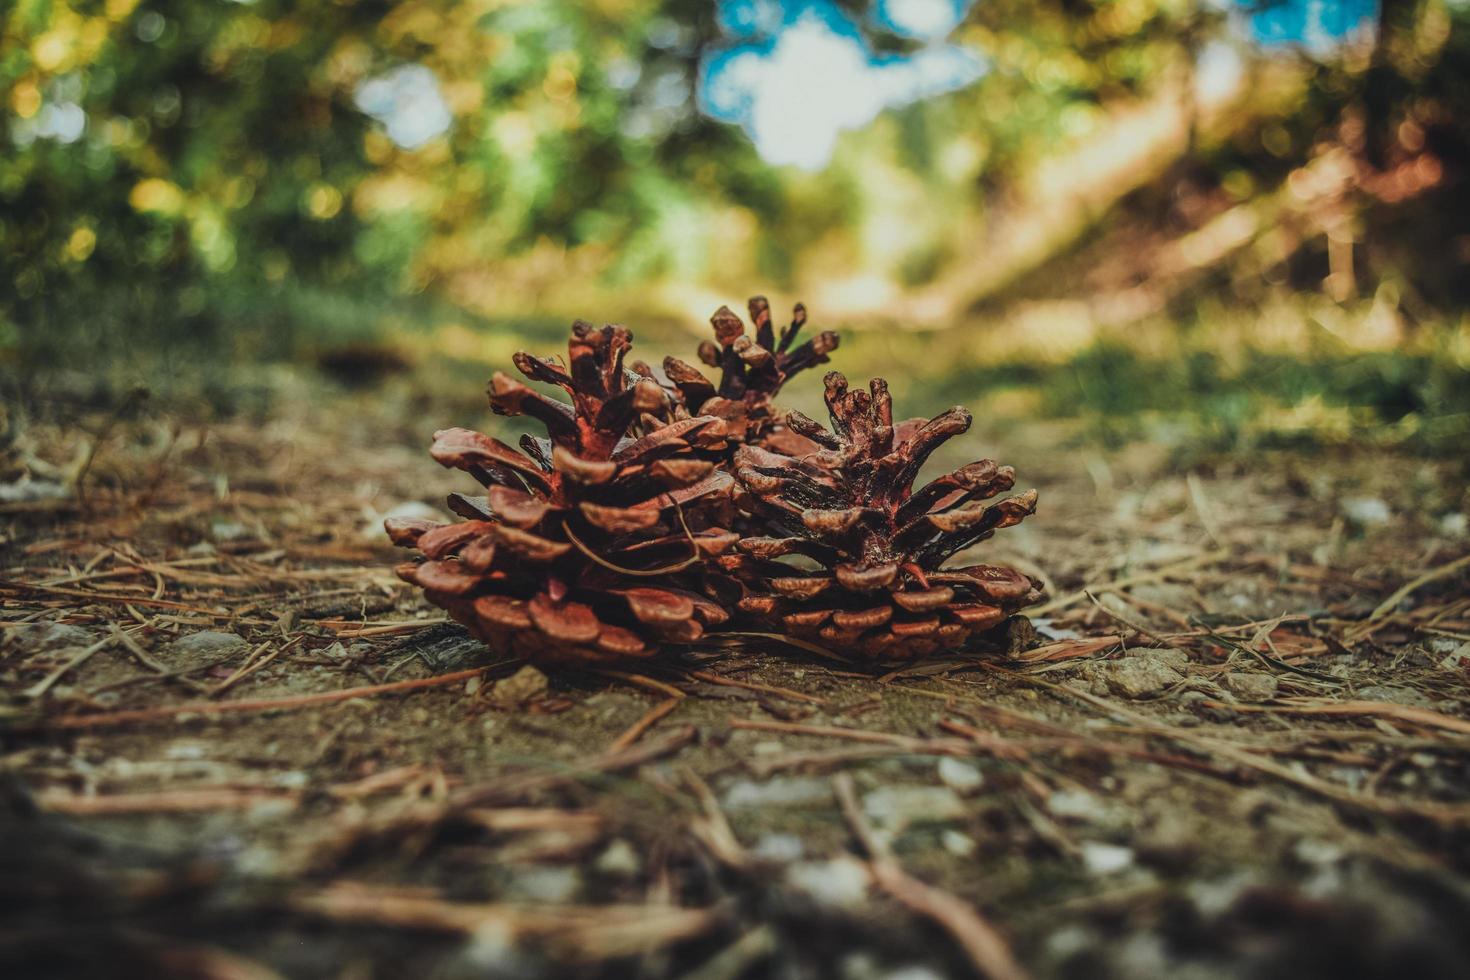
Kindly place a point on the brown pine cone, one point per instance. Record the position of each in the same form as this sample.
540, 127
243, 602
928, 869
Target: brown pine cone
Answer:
875, 544
751, 373
589, 544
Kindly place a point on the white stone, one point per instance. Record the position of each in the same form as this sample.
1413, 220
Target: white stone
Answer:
1105, 859
960, 776
1078, 804
1310, 850
40, 637
1366, 511
522, 686
895, 807
841, 882
1457, 659
1250, 685
210, 645
554, 885
1143, 676
780, 791
778, 847
619, 859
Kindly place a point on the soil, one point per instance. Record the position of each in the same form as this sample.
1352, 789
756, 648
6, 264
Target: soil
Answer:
1234, 741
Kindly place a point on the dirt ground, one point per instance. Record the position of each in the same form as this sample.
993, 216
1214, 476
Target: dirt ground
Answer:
234, 745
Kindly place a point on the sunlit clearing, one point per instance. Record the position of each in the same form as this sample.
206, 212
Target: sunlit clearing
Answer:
1219, 71
814, 75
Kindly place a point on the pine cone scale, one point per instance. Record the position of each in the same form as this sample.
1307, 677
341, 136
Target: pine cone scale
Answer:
589, 544
647, 515
476, 453
752, 370
879, 590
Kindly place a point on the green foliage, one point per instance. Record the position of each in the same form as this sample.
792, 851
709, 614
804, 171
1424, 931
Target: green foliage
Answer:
224, 192
212, 158
224, 175
1254, 400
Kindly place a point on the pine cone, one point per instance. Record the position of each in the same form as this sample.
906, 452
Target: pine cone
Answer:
877, 543
589, 544
751, 373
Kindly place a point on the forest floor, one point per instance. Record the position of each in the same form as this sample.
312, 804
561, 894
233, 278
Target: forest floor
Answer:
234, 745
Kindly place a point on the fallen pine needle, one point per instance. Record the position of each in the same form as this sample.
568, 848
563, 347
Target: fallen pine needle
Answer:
711, 827
636, 730
582, 933
851, 734
251, 665
1067, 649
45, 684
168, 801
791, 641
378, 782
1445, 814
1355, 709
260, 704
106, 597
1404, 591
389, 629
1142, 578
781, 692
639, 680
515, 786
981, 942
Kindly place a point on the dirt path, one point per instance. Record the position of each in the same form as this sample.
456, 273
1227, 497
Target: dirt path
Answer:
234, 745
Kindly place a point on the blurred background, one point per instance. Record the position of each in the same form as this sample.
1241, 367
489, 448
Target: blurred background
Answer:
1238, 224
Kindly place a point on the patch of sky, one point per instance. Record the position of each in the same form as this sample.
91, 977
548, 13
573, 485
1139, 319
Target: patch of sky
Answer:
801, 71
60, 118
924, 20
1317, 26
407, 102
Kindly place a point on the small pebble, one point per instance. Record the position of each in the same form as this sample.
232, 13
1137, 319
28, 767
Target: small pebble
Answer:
1077, 804
228, 531
1105, 859
1366, 511
780, 791
556, 885
522, 686
1310, 850
1143, 676
894, 807
619, 859
1457, 659
841, 882
1173, 656
41, 637
960, 776
1250, 685
778, 847
1393, 695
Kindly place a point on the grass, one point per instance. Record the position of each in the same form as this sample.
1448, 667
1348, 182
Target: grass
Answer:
1208, 383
